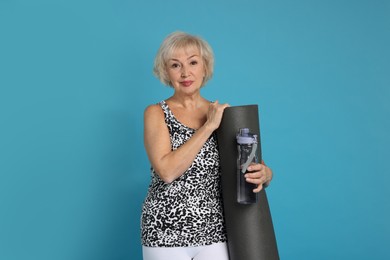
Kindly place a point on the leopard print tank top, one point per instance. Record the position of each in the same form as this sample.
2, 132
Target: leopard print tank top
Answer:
188, 211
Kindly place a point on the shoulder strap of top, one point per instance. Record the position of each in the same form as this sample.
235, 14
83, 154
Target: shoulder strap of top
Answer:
164, 106
167, 112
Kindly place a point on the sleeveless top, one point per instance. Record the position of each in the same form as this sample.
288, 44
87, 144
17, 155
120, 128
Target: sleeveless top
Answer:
187, 211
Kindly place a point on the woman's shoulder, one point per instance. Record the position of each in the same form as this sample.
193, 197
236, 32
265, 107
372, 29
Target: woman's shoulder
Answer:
154, 118
154, 110
153, 107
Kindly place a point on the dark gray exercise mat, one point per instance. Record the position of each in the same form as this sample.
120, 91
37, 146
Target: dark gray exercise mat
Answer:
249, 227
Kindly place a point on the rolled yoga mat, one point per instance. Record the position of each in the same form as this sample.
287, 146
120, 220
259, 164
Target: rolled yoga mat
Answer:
249, 227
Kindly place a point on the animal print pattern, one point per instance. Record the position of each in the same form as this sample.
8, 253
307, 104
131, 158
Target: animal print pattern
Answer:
188, 211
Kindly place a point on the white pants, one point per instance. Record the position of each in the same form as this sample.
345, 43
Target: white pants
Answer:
215, 251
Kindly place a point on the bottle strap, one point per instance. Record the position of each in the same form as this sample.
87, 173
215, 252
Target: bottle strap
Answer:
250, 158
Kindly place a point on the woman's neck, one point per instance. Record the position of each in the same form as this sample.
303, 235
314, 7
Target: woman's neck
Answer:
189, 101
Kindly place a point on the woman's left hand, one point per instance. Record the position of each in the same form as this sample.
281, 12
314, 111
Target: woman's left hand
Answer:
259, 174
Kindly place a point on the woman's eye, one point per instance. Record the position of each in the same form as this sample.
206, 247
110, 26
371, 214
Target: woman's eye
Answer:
194, 62
175, 65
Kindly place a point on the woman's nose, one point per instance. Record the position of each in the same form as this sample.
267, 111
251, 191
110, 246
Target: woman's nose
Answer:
184, 72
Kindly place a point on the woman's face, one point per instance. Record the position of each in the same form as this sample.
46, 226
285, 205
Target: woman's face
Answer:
186, 70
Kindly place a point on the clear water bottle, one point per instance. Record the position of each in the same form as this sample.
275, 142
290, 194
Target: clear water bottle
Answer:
247, 147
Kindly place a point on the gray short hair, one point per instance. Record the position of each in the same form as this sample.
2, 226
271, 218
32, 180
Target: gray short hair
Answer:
178, 40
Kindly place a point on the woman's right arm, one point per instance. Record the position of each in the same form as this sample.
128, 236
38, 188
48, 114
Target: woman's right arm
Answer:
168, 164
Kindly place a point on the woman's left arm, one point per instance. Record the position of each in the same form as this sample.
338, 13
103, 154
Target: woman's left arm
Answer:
259, 174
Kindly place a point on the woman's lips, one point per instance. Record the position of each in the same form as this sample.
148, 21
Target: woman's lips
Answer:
186, 83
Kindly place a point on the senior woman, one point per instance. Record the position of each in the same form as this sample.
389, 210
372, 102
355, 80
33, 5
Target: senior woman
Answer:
182, 215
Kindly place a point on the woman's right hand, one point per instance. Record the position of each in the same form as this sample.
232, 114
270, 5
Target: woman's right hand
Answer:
214, 114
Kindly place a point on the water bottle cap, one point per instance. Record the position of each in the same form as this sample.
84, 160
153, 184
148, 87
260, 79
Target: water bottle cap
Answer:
244, 137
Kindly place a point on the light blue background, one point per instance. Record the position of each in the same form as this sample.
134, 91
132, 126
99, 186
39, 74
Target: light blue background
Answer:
75, 77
